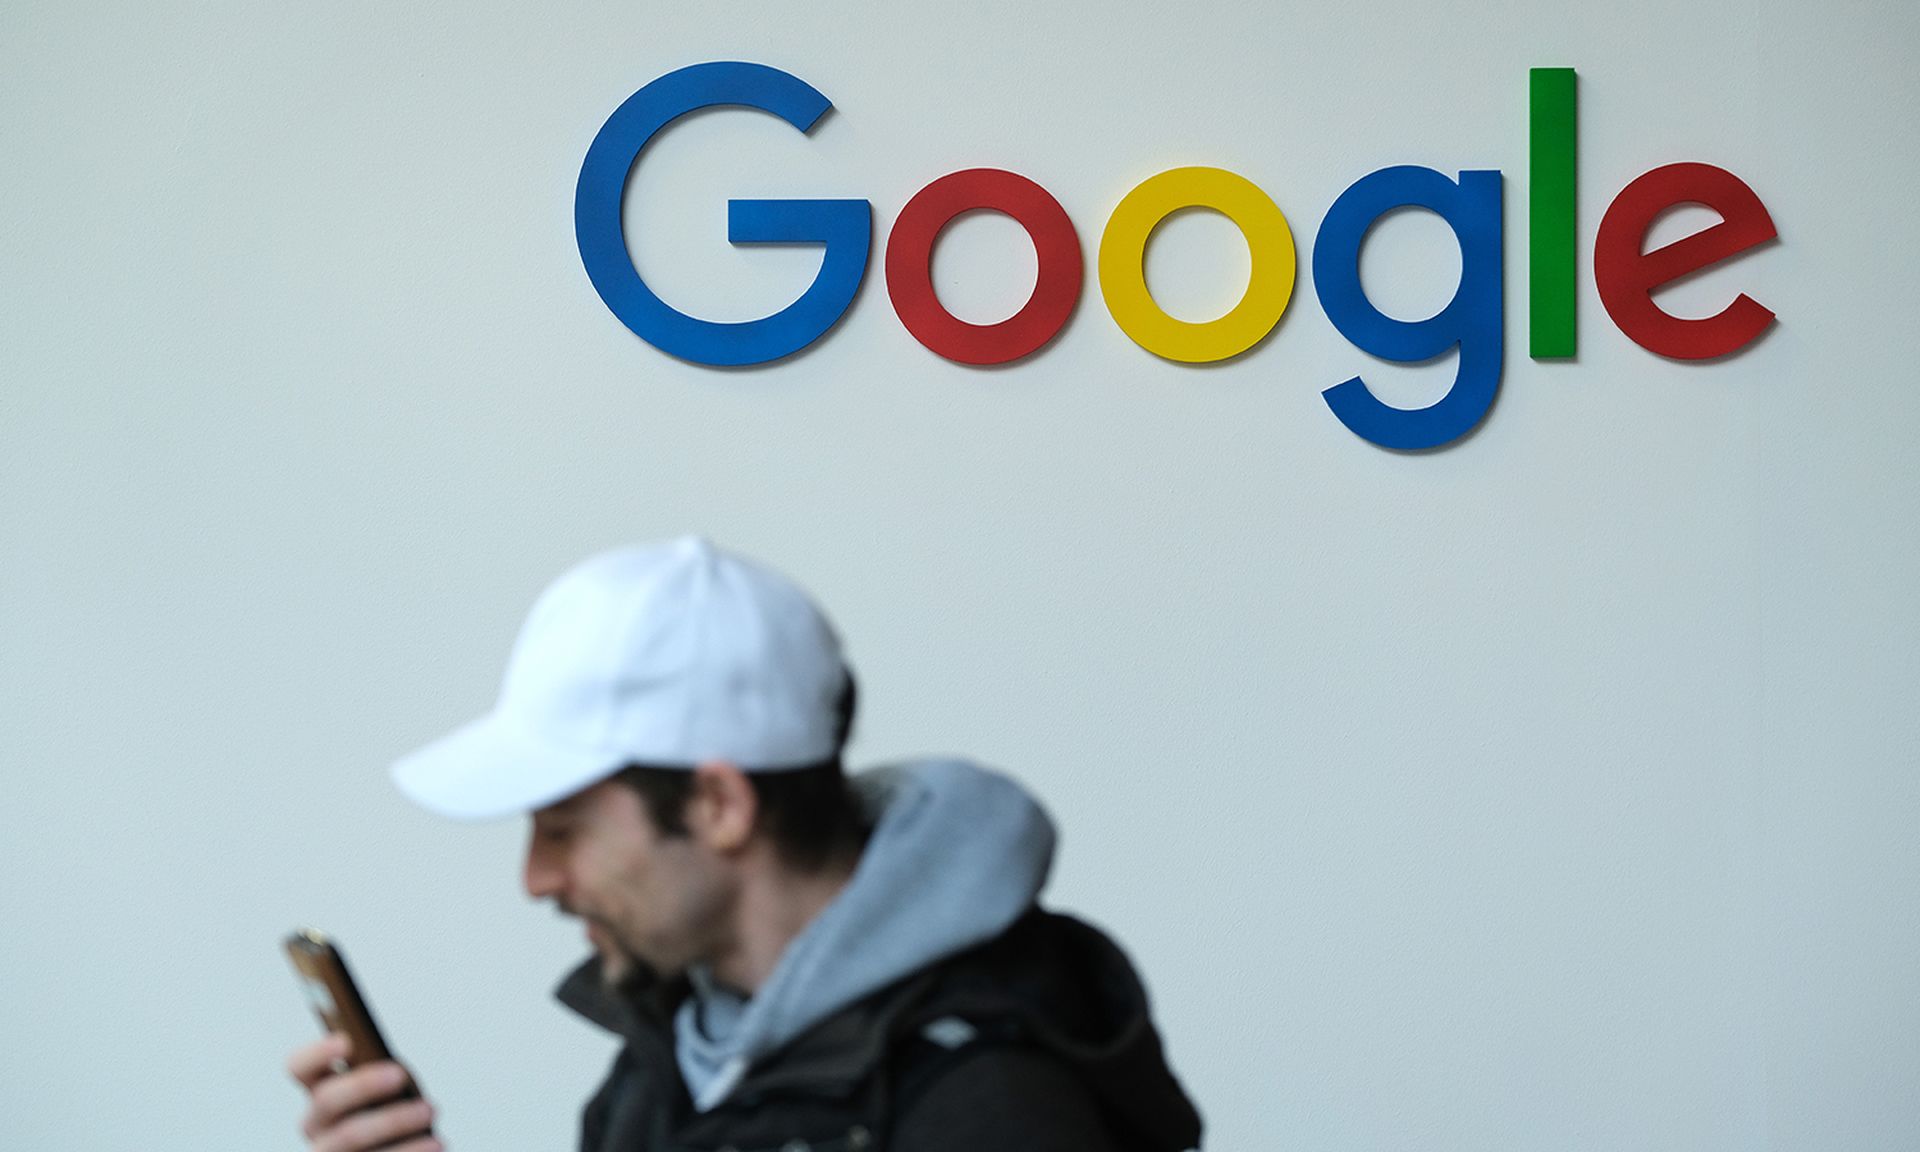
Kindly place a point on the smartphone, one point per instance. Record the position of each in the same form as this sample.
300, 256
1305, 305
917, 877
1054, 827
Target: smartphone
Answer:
337, 1000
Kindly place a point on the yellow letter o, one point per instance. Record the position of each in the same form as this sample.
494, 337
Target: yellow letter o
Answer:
1123, 275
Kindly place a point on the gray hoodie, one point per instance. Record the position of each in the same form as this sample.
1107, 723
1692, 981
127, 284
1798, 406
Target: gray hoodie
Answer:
958, 853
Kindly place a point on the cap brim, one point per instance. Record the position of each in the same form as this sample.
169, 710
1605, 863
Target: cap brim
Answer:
490, 768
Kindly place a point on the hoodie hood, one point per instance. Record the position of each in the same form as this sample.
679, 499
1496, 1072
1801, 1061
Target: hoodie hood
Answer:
1058, 984
958, 853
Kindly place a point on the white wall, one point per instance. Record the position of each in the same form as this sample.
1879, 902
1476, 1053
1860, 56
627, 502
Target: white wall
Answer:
1554, 791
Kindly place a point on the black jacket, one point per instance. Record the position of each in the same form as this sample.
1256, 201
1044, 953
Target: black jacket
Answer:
1038, 1041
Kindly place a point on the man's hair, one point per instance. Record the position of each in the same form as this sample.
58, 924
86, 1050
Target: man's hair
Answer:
810, 813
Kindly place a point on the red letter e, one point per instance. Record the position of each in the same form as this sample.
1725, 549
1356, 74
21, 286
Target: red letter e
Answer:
1626, 277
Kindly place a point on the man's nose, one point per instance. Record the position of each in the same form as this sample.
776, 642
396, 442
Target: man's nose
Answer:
542, 878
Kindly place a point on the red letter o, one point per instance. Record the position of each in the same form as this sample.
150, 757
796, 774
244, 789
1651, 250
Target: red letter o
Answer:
910, 266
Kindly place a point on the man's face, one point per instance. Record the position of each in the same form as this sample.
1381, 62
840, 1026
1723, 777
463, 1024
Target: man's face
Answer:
644, 896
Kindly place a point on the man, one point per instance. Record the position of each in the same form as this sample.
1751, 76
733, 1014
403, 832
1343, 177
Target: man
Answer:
794, 960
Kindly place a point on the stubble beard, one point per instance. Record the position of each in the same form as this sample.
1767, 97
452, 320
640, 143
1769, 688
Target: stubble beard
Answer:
618, 963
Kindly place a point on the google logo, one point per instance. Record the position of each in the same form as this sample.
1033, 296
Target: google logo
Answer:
1624, 273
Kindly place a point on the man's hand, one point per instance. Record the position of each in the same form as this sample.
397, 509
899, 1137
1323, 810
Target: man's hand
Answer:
359, 1110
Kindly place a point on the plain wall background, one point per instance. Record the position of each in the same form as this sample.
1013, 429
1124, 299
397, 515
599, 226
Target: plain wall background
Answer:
1553, 791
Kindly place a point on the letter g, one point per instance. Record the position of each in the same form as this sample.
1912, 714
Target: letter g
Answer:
844, 226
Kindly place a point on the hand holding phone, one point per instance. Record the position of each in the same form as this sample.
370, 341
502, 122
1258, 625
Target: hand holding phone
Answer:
361, 1099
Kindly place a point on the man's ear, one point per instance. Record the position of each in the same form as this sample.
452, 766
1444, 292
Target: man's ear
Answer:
724, 808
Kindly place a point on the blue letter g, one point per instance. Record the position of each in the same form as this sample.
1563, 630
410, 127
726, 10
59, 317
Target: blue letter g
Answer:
844, 226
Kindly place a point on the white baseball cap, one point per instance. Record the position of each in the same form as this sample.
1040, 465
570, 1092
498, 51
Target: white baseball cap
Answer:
667, 654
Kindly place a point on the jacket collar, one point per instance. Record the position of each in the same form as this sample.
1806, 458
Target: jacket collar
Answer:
639, 1009
834, 1055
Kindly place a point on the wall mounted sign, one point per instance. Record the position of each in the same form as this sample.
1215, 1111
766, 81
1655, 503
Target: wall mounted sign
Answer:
1624, 273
